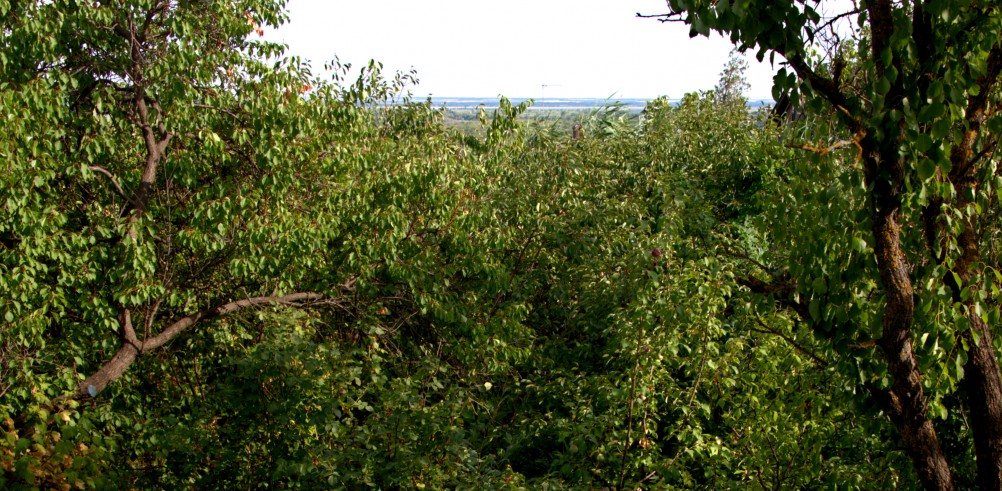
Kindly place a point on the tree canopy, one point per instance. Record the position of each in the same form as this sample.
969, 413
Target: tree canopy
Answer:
218, 270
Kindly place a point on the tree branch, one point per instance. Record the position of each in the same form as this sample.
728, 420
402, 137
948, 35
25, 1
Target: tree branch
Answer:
155, 146
829, 89
768, 330
181, 325
975, 115
782, 291
826, 150
154, 149
114, 182
131, 347
671, 17
832, 20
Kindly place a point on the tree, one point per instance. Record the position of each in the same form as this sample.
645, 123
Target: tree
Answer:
732, 84
111, 89
154, 181
915, 89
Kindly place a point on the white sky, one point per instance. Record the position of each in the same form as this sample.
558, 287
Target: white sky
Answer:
476, 48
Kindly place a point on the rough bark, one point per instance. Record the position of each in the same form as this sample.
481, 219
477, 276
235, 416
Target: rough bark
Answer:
905, 402
885, 172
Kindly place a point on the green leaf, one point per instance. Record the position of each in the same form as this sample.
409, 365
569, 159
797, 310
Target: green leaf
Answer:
815, 310
940, 128
859, 244
994, 124
926, 168
931, 111
883, 86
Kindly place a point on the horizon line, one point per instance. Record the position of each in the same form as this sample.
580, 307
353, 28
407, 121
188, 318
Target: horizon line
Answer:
433, 96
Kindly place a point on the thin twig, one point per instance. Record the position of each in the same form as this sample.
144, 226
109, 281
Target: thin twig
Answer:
824, 150
114, 182
629, 415
729, 251
670, 17
768, 330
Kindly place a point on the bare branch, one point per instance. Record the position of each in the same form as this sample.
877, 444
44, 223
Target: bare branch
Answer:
669, 17
832, 20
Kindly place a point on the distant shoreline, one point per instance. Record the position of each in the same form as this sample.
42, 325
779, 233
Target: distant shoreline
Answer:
558, 103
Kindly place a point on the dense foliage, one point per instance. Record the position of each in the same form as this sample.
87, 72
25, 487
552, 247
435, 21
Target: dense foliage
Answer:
914, 89
218, 271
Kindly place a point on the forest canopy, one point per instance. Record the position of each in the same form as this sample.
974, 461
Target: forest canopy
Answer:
218, 270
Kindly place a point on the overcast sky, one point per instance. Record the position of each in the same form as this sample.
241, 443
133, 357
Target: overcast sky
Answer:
577, 48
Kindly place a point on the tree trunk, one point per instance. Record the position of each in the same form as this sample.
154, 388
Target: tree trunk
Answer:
905, 403
984, 396
982, 384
